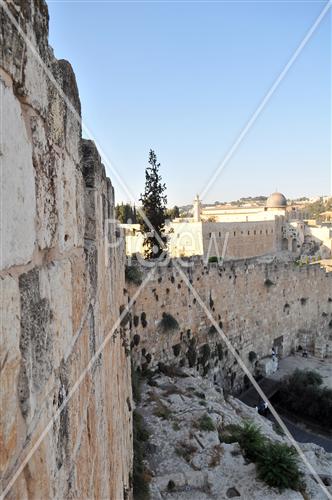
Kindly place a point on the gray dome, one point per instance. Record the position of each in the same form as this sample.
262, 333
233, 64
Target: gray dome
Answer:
276, 200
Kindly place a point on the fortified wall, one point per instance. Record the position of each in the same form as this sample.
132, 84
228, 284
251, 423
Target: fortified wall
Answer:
257, 305
60, 295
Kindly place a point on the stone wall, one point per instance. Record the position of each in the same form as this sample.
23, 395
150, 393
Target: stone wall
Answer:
233, 240
61, 288
242, 240
258, 305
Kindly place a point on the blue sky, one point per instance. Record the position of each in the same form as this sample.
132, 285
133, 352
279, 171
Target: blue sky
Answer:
183, 78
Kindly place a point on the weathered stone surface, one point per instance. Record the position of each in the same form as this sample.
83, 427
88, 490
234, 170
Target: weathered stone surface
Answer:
257, 305
61, 286
17, 186
188, 462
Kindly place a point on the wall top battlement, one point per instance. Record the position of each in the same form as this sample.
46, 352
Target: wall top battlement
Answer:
243, 266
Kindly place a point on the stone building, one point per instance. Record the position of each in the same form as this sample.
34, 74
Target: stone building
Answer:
234, 232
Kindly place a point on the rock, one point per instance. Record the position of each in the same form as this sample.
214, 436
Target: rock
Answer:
198, 464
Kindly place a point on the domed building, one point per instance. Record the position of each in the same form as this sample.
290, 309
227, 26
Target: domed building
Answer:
276, 200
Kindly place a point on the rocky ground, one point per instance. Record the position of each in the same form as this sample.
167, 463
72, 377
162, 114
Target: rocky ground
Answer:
187, 462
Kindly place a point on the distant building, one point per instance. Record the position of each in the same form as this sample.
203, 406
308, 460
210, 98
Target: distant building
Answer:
238, 232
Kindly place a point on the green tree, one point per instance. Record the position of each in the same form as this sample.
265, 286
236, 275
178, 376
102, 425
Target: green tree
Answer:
172, 213
125, 213
154, 207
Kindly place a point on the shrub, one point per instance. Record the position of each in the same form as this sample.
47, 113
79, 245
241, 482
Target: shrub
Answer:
268, 283
199, 394
191, 355
277, 466
206, 353
133, 275
303, 394
276, 463
162, 411
249, 437
171, 485
143, 319
185, 450
140, 474
168, 322
215, 456
213, 258
252, 356
136, 384
176, 349
306, 377
212, 330
205, 423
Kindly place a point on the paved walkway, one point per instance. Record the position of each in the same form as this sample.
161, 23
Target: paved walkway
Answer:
304, 435
270, 385
289, 364
251, 398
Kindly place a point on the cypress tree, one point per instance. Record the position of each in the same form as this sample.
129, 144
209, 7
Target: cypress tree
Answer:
154, 202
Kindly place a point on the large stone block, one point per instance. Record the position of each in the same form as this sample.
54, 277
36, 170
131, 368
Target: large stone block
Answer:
18, 231
60, 297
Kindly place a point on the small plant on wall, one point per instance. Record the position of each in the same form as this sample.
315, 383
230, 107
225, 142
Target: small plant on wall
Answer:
268, 283
252, 356
168, 323
133, 275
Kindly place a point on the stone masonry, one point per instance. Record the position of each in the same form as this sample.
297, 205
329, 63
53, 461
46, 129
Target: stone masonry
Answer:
60, 295
258, 305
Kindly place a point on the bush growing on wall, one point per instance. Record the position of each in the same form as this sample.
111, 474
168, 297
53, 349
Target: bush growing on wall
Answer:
140, 474
252, 356
168, 323
212, 330
133, 275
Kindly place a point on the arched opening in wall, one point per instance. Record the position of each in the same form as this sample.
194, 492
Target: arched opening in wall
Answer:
284, 244
294, 245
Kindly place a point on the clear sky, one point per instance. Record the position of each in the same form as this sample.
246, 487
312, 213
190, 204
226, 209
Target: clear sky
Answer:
183, 78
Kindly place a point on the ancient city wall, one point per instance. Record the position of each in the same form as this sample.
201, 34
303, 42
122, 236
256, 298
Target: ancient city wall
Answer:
60, 296
242, 239
257, 305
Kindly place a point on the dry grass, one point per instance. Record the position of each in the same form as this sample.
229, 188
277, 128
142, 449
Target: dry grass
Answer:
215, 455
185, 450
